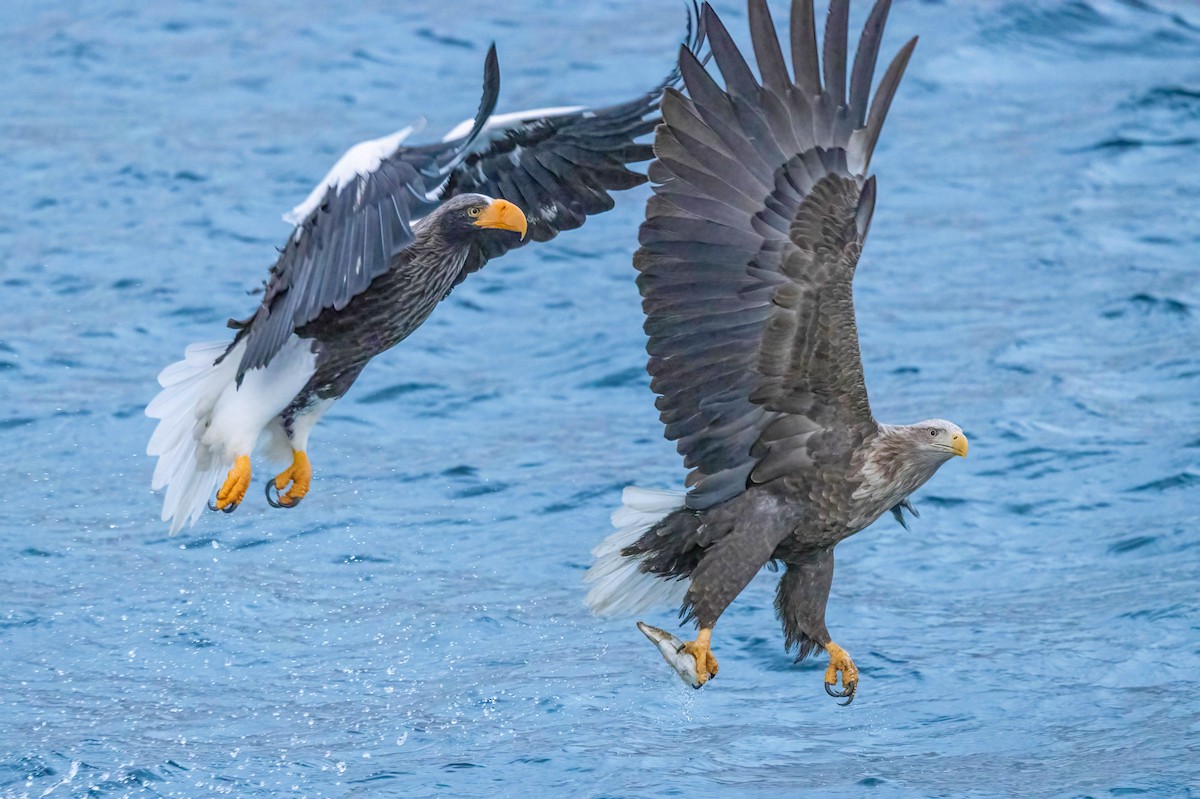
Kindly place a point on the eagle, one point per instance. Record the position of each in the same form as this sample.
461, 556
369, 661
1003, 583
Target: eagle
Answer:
762, 201
381, 240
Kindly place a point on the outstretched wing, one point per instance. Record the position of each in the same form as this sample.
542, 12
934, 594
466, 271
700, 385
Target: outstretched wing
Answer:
559, 165
352, 226
760, 209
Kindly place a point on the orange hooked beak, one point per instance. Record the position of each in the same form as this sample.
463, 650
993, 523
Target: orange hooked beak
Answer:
503, 215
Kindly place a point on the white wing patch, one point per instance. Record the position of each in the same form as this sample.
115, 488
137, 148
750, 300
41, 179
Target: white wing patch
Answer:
515, 118
360, 160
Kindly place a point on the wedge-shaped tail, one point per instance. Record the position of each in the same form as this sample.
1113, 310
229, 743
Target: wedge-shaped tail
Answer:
187, 467
619, 586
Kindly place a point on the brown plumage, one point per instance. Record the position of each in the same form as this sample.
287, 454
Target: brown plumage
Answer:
761, 205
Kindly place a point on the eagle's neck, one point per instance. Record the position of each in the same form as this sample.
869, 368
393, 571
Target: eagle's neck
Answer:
437, 255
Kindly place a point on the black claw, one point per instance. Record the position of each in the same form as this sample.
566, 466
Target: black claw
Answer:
230, 508
271, 500
847, 692
273, 497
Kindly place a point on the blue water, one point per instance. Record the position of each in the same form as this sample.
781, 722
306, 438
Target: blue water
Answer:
416, 628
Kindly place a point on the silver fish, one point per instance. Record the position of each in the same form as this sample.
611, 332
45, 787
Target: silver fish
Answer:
672, 652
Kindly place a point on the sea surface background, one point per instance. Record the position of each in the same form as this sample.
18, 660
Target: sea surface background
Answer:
416, 628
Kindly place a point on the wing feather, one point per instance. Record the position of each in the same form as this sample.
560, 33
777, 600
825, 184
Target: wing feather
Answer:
714, 108
761, 206
561, 167
883, 99
836, 43
766, 47
864, 61
739, 80
804, 48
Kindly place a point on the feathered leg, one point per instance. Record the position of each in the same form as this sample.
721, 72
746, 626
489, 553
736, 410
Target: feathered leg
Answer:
231, 494
800, 604
297, 478
724, 570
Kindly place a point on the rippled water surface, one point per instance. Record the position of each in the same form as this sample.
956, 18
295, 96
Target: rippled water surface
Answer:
416, 628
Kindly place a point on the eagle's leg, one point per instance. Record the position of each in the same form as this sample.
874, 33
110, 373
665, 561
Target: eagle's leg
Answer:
706, 663
231, 494
840, 661
299, 475
296, 423
800, 604
724, 570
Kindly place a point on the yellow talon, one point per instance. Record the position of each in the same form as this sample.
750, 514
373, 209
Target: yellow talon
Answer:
299, 474
233, 491
840, 661
706, 663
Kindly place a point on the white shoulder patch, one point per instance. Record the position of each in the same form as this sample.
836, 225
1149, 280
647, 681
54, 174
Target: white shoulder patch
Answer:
515, 118
361, 159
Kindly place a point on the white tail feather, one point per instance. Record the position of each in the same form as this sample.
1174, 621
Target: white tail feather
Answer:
208, 420
187, 467
619, 586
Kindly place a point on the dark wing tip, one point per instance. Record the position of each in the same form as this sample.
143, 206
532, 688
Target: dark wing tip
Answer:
803, 37
864, 61
767, 52
696, 34
837, 21
693, 41
883, 97
491, 84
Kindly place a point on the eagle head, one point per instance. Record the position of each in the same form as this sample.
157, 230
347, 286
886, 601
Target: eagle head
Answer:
936, 441
466, 216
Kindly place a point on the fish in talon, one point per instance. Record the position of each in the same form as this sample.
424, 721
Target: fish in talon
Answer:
674, 652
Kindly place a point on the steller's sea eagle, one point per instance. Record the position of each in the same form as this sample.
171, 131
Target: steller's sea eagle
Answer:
762, 201
380, 241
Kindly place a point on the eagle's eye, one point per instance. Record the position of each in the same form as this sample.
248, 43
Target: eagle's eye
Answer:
474, 210
933, 432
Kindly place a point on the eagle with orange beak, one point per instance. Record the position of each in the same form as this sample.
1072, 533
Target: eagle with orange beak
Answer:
380, 241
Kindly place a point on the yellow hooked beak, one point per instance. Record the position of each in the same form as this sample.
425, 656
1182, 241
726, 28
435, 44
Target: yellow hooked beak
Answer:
503, 215
958, 443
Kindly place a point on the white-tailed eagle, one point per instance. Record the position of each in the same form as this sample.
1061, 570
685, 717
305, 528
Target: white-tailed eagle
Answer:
762, 201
